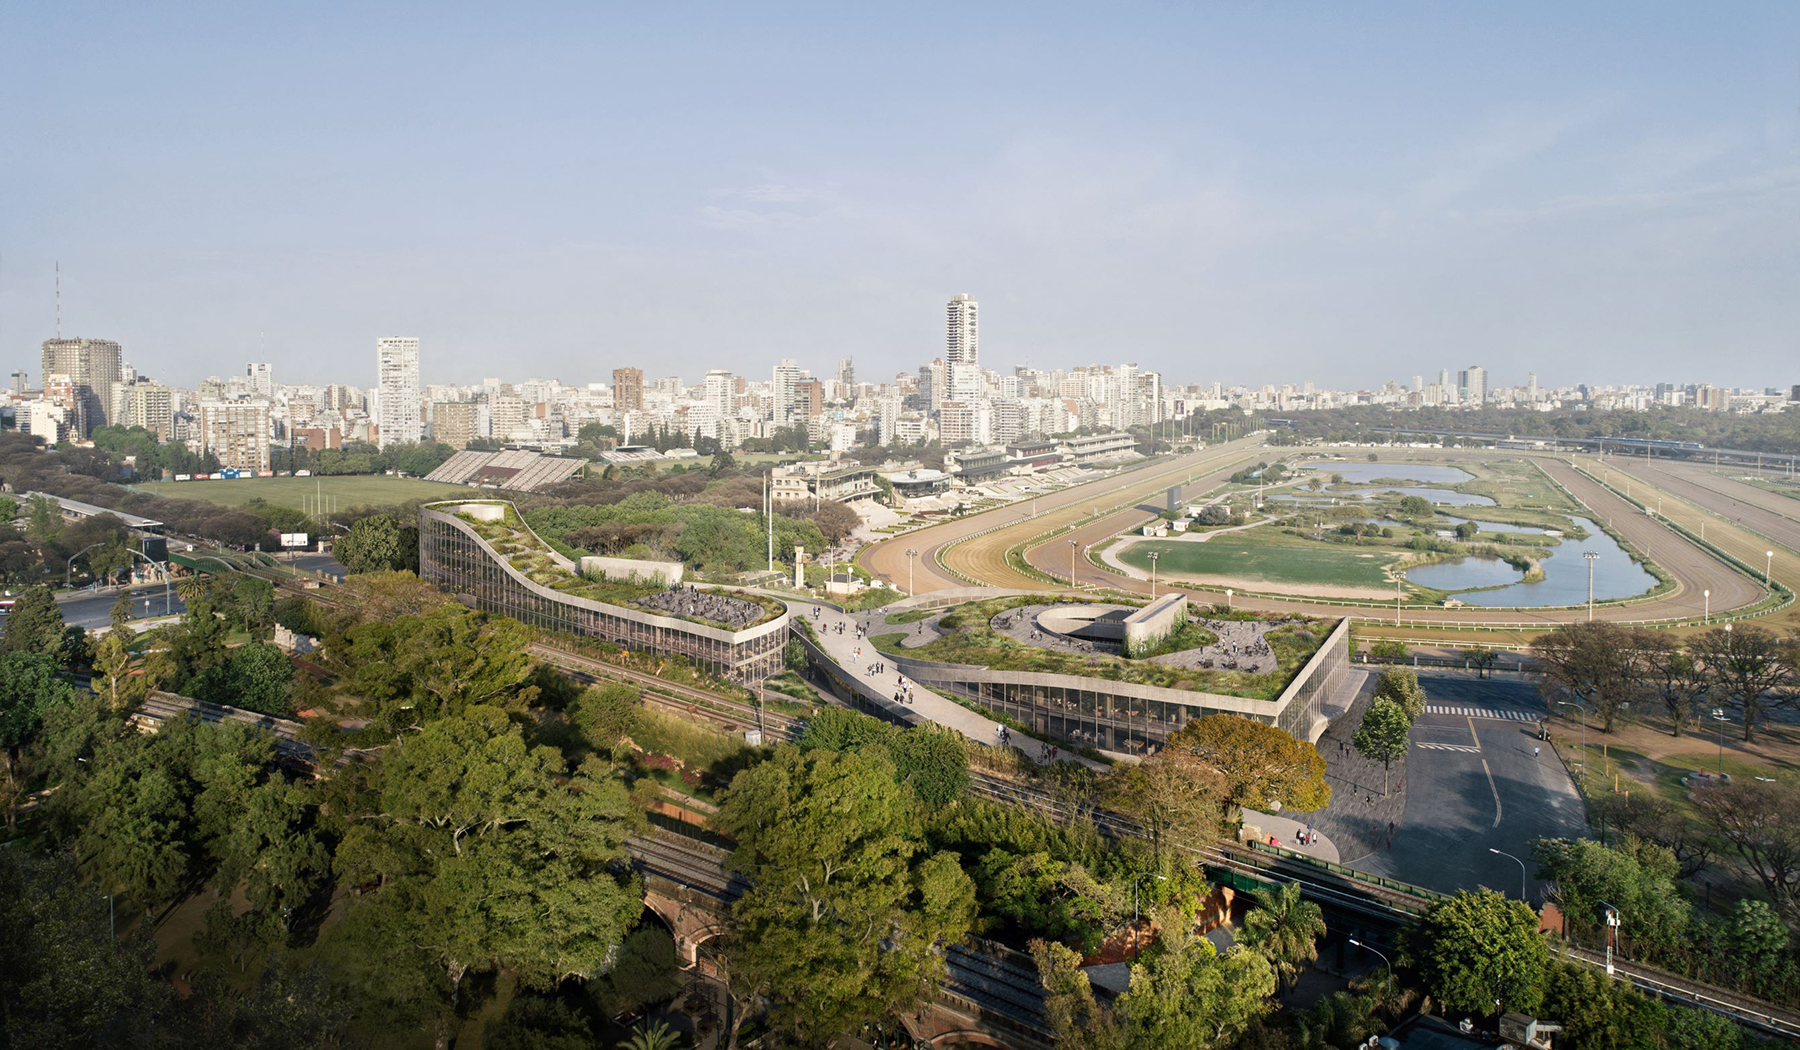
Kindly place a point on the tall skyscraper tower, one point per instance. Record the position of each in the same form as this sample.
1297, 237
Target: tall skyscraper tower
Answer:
963, 345
94, 367
397, 373
1475, 385
785, 394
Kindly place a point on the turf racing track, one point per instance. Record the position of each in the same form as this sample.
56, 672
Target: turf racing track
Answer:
1742, 519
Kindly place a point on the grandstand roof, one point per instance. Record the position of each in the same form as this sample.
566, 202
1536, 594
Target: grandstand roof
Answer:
517, 469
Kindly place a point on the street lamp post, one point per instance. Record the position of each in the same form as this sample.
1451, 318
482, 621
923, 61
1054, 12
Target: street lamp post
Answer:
1377, 951
1583, 709
1153, 556
1591, 556
1072, 546
1134, 908
69, 569
1521, 864
1768, 564
1718, 715
1398, 577
1228, 599
1706, 607
910, 555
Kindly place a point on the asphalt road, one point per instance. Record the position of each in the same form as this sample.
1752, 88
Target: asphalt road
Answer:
94, 608
1473, 784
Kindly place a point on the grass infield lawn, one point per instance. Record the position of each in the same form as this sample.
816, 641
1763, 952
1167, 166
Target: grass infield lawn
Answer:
351, 490
1246, 557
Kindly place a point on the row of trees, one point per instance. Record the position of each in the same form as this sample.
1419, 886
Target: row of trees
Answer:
1615, 672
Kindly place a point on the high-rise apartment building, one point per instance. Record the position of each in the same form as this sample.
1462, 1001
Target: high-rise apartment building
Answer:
721, 394
397, 371
784, 393
506, 414
94, 368
147, 405
963, 343
1474, 385
262, 379
237, 432
18, 382
454, 423
628, 389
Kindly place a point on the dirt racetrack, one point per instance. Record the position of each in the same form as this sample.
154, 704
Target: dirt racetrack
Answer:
888, 559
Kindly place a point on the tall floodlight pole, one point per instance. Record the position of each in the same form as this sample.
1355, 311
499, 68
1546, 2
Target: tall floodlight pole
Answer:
910, 555
1072, 546
1591, 557
1706, 608
1768, 564
1399, 576
1153, 556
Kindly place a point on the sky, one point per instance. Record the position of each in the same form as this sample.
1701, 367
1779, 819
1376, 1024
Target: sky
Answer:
1232, 191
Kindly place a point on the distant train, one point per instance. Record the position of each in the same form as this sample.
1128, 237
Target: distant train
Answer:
1654, 443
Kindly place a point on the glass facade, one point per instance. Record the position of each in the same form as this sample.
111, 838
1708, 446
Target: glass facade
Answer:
453, 557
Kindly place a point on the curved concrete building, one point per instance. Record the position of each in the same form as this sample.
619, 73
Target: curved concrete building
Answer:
513, 572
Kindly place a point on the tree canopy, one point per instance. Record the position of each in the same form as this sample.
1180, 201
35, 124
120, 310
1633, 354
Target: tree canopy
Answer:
1262, 765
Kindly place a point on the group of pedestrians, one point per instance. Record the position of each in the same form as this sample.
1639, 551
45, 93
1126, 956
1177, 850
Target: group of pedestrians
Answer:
903, 691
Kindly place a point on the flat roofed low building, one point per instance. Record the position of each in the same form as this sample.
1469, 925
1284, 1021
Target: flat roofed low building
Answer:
75, 510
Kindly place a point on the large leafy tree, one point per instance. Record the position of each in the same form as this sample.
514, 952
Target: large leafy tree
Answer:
415, 668
30, 691
1187, 994
1637, 877
1262, 765
1175, 797
378, 543
35, 624
1751, 668
1595, 663
848, 914
1673, 675
1383, 735
1757, 821
1401, 685
1286, 927
1074, 1016
485, 852
1475, 948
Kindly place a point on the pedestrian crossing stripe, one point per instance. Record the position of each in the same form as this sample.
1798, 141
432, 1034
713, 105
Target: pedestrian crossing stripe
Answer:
1481, 712
1468, 749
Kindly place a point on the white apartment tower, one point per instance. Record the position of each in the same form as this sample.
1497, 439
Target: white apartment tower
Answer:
397, 373
784, 391
963, 343
721, 394
262, 379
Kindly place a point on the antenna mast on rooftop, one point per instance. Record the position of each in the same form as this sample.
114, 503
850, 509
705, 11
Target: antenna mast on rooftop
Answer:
59, 298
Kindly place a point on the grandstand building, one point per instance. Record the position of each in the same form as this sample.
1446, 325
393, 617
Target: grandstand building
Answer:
517, 470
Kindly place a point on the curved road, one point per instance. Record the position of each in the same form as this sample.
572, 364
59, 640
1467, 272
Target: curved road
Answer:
888, 560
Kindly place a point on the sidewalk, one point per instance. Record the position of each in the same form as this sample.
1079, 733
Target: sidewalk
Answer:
926, 704
1287, 829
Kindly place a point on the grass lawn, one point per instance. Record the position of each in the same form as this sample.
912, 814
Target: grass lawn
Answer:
1263, 554
350, 490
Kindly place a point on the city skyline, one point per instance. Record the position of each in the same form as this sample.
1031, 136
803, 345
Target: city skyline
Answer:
1249, 197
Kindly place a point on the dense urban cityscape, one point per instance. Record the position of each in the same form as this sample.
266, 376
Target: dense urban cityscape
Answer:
883, 528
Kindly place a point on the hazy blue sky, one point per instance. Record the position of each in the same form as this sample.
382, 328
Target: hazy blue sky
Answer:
1249, 192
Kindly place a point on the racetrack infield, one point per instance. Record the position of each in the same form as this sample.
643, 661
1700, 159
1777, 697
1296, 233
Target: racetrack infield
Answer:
888, 560
1694, 569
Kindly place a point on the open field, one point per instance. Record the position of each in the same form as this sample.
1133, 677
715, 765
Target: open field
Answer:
1268, 556
350, 490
